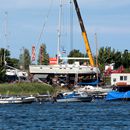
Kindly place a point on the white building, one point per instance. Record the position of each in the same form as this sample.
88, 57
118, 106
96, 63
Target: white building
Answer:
120, 78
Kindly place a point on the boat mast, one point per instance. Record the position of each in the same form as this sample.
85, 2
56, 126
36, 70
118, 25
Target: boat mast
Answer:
6, 36
59, 33
96, 56
71, 25
96, 49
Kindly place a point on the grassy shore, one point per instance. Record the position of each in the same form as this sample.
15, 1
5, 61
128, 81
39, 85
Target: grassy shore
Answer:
25, 89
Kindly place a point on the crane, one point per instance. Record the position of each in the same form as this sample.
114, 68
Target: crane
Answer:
84, 34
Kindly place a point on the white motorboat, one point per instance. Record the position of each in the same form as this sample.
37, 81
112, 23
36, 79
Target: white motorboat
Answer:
73, 97
16, 100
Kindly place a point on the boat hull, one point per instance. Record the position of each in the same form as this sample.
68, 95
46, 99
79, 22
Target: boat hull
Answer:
28, 100
76, 99
8, 101
16, 100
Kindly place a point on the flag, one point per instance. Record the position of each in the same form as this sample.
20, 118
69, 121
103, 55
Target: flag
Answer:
63, 51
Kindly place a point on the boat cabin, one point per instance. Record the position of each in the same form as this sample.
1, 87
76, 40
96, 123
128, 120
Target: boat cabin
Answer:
120, 79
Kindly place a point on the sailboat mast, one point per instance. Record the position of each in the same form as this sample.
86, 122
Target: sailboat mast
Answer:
59, 33
96, 49
71, 25
6, 35
96, 56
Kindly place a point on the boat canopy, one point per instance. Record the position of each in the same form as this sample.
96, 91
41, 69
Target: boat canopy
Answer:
114, 95
93, 83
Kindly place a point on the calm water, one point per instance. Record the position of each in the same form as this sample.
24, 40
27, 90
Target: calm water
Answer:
97, 115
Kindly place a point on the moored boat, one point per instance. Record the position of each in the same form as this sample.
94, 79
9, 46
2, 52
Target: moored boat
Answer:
119, 93
29, 99
16, 100
73, 97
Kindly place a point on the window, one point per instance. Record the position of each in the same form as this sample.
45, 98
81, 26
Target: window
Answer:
121, 77
114, 80
125, 77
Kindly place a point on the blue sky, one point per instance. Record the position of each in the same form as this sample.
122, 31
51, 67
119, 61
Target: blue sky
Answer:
110, 19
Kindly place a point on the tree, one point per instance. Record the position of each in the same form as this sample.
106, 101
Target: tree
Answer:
75, 53
25, 59
13, 62
107, 55
4, 56
43, 57
117, 59
126, 59
2, 74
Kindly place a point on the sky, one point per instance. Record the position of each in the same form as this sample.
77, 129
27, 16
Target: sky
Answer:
24, 23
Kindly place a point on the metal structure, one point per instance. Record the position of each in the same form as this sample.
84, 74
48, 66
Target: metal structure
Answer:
84, 34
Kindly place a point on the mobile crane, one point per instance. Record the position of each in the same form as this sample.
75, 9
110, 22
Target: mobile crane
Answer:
84, 34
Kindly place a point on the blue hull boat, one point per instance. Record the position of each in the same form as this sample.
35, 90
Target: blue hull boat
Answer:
119, 93
73, 97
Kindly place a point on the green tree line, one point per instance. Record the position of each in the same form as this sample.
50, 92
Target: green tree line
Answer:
107, 55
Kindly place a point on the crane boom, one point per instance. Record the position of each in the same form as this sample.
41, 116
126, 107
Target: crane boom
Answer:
84, 34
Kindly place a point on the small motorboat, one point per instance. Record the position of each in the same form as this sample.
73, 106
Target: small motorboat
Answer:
16, 100
73, 97
28, 99
121, 92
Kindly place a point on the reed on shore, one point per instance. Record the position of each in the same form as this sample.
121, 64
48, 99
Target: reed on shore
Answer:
25, 88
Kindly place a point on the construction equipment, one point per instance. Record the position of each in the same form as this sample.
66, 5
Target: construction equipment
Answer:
84, 34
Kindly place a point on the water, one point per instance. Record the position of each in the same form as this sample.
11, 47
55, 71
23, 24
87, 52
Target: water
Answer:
97, 115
